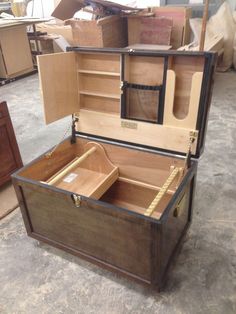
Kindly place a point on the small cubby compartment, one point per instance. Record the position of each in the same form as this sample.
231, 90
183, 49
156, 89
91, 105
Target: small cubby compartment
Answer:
99, 82
143, 87
99, 62
135, 196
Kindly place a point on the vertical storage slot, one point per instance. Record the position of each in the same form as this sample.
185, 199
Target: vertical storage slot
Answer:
142, 102
183, 90
143, 88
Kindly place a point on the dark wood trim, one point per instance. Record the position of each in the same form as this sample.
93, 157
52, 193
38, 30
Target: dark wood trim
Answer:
23, 206
141, 52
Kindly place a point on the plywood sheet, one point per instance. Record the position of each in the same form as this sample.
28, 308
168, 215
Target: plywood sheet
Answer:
15, 50
155, 135
58, 80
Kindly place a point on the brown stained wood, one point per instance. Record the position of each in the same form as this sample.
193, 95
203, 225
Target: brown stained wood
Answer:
59, 72
10, 159
109, 227
92, 229
172, 230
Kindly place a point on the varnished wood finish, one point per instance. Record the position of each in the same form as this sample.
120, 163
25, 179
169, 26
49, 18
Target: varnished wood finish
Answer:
134, 246
58, 84
91, 86
111, 229
10, 159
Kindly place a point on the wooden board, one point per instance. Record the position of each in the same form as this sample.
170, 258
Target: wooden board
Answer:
155, 135
90, 174
15, 52
189, 118
59, 87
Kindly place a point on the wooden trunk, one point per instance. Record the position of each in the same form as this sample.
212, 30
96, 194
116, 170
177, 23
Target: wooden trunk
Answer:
120, 191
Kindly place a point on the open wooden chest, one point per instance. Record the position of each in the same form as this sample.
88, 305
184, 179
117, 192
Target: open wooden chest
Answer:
119, 191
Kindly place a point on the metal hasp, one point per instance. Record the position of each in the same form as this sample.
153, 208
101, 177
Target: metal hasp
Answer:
76, 199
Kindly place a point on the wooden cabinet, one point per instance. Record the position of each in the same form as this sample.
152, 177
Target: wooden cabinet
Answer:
10, 158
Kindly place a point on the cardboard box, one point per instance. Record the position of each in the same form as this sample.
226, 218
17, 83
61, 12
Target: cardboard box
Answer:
110, 31
63, 30
180, 35
149, 30
15, 54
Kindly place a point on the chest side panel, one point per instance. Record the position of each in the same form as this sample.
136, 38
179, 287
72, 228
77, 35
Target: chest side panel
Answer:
92, 229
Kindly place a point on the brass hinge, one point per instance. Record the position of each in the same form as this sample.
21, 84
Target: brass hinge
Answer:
192, 138
122, 86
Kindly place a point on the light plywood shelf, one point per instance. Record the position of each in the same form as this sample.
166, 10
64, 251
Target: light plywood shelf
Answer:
99, 73
98, 94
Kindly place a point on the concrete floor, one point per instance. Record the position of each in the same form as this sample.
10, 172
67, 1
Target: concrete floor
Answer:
36, 278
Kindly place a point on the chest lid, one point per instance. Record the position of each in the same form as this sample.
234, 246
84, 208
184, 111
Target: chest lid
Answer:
156, 99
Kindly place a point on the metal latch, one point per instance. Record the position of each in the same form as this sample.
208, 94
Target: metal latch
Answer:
76, 199
75, 119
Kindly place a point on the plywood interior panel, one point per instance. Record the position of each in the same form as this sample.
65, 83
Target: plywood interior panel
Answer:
184, 68
189, 111
90, 85
99, 62
59, 87
149, 168
100, 104
16, 50
144, 70
99, 83
149, 134
134, 197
